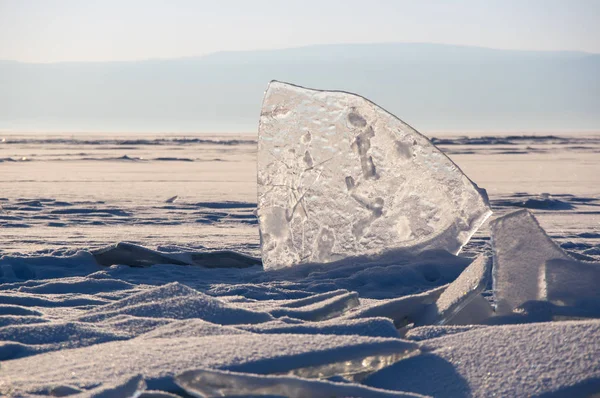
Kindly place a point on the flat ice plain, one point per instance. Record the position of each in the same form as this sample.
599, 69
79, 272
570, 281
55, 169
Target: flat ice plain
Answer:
70, 327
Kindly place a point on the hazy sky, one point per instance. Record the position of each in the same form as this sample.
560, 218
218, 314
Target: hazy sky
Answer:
108, 30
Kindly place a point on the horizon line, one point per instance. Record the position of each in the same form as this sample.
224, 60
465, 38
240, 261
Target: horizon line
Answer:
483, 132
258, 50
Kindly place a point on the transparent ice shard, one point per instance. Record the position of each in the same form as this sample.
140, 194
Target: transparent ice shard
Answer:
128, 387
573, 283
402, 311
158, 394
353, 369
470, 283
475, 312
521, 249
321, 311
339, 177
218, 383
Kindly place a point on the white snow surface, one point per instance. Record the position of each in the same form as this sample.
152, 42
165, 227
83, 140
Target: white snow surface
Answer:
550, 359
283, 330
162, 320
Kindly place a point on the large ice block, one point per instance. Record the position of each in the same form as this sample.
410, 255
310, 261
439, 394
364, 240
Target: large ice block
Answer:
521, 250
340, 177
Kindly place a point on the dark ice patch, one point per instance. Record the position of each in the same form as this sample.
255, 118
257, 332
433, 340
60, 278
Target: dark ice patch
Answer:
404, 150
356, 120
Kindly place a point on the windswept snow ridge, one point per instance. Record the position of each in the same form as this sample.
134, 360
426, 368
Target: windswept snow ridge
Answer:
177, 330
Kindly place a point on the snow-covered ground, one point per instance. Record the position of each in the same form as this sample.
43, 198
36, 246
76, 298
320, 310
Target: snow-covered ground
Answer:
69, 325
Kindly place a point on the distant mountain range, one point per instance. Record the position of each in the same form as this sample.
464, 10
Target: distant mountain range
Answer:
430, 86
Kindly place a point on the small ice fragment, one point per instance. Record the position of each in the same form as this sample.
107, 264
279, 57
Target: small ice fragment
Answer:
218, 383
158, 394
130, 387
475, 312
64, 390
354, 369
521, 249
326, 309
434, 331
172, 199
124, 253
402, 311
339, 177
469, 284
129, 254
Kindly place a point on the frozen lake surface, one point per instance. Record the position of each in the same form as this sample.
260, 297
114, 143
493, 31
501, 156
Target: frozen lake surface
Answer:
71, 192
70, 326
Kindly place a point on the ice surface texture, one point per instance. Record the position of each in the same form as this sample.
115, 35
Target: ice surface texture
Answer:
210, 383
466, 288
530, 267
573, 283
340, 177
521, 249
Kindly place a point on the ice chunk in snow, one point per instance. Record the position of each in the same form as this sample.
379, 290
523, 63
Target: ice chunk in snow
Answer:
434, 331
158, 394
127, 388
139, 256
459, 293
327, 309
130, 254
214, 383
476, 311
401, 311
521, 250
340, 177
354, 369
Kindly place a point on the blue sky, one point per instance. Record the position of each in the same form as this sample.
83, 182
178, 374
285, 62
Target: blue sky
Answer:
111, 30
